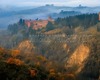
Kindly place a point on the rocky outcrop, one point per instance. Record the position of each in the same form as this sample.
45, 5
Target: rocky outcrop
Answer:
26, 46
76, 60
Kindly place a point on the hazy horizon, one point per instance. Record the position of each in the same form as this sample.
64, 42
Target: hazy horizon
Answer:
25, 3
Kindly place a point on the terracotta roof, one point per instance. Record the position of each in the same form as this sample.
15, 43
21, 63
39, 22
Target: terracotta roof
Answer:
37, 24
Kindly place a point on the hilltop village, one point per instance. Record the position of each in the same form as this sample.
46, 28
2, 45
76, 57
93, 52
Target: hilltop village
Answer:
38, 24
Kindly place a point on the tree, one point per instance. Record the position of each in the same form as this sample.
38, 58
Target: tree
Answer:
21, 21
31, 31
49, 26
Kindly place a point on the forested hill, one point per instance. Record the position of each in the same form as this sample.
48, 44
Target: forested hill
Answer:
84, 20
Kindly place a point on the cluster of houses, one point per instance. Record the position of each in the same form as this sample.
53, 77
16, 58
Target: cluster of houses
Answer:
38, 24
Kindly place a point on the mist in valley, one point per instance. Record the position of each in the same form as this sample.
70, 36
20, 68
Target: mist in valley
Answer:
13, 14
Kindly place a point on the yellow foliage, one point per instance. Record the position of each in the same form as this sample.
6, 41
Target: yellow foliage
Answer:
78, 29
38, 63
92, 30
52, 72
42, 58
1, 50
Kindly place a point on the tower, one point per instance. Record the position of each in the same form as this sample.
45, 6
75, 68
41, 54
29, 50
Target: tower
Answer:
99, 16
50, 19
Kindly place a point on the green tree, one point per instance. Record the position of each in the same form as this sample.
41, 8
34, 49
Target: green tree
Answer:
49, 26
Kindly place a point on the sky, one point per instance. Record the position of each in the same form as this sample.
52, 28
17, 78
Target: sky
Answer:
55, 2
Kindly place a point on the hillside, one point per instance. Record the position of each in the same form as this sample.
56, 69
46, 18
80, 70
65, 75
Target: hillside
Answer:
58, 58
67, 49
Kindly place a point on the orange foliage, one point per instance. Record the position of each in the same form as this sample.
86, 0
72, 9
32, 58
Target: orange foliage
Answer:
1, 49
15, 53
14, 61
10, 61
70, 76
33, 72
52, 72
18, 62
1, 57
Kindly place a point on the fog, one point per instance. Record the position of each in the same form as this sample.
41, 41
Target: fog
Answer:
13, 14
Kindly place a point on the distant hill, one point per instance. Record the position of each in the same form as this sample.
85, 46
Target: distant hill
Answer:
63, 14
14, 14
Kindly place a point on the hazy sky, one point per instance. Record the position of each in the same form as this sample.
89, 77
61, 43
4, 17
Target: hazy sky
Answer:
43, 2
